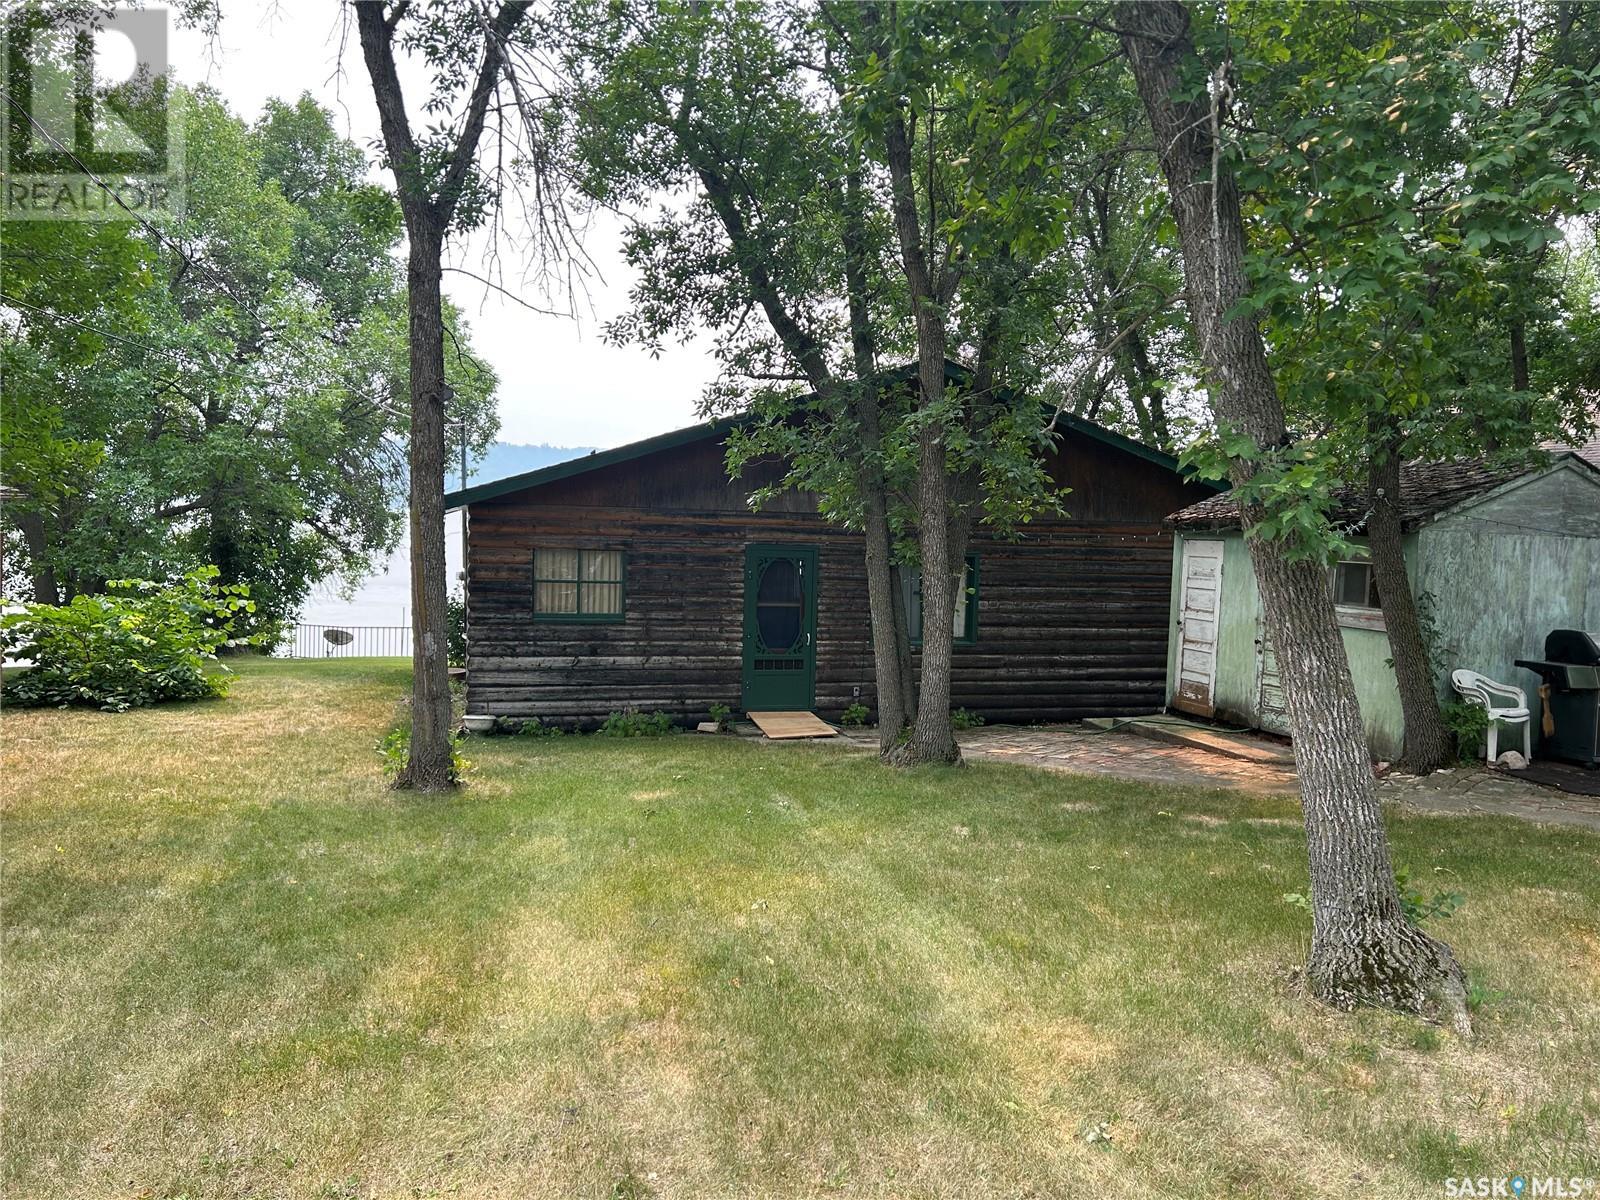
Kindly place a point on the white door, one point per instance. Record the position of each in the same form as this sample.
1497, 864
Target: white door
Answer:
1272, 710
1197, 627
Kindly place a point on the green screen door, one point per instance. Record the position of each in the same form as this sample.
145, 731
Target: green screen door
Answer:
780, 628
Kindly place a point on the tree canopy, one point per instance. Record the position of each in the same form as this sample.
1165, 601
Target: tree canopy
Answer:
227, 388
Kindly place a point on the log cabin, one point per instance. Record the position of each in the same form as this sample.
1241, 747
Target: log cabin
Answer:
640, 578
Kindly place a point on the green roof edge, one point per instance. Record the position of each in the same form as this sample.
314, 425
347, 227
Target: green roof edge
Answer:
592, 461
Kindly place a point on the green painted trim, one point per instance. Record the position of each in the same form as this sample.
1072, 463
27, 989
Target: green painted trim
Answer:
582, 618
969, 634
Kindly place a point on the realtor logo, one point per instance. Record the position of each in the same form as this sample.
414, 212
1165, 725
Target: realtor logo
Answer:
89, 131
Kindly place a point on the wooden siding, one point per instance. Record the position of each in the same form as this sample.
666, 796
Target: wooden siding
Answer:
1072, 618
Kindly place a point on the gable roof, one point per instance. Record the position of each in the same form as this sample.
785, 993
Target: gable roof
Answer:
598, 459
1427, 490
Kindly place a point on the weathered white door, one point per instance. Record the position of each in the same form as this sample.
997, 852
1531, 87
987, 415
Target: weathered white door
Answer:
1197, 627
1272, 710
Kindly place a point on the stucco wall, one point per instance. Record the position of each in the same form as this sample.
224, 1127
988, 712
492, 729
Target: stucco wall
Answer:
1502, 573
1235, 693
1514, 567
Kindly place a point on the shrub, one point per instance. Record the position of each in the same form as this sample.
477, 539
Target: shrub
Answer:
855, 716
455, 619
637, 724
723, 716
1470, 724
395, 749
135, 644
535, 728
962, 719
1417, 907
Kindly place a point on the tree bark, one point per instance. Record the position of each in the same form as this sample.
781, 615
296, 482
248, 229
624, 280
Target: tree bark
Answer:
428, 205
885, 604
1363, 949
430, 765
1428, 744
932, 737
30, 523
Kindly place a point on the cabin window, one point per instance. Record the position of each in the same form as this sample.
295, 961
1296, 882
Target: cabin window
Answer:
965, 620
577, 585
1355, 585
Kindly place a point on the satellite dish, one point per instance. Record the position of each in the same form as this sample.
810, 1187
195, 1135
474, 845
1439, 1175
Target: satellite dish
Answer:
338, 637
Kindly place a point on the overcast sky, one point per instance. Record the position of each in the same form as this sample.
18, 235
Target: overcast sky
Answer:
560, 382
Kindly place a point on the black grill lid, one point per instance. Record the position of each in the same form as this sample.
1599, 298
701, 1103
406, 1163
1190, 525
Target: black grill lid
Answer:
1571, 646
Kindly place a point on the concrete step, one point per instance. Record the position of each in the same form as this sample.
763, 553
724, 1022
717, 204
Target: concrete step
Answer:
1178, 732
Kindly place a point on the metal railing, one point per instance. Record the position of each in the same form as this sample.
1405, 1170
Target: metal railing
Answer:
348, 641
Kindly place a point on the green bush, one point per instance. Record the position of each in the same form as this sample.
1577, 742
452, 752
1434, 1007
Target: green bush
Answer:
855, 716
455, 618
1419, 908
135, 644
395, 750
535, 728
723, 716
962, 719
1470, 724
636, 724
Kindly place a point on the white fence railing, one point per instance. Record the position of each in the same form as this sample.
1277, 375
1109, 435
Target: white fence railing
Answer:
347, 641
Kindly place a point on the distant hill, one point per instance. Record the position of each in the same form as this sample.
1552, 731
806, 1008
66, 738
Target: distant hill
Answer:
505, 459
383, 598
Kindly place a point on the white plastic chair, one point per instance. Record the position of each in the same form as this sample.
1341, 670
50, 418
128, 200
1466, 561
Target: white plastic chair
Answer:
1480, 689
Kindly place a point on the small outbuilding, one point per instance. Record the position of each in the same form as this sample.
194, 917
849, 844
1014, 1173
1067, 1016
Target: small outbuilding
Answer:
641, 578
1498, 557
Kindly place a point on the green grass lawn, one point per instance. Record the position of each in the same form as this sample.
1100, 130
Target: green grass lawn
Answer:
235, 964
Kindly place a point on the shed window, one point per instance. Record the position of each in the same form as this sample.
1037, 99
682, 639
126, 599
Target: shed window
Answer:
1355, 585
577, 585
965, 621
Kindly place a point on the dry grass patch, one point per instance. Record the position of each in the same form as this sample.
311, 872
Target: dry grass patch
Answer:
238, 966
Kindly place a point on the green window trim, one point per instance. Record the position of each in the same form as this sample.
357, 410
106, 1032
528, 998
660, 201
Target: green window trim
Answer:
969, 627
620, 582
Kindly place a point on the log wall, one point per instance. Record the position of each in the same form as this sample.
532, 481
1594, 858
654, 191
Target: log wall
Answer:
1072, 617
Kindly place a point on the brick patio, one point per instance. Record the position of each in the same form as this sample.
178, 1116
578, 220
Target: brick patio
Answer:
1461, 790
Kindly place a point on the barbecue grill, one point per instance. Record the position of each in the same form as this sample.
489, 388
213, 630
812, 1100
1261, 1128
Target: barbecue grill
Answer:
1570, 696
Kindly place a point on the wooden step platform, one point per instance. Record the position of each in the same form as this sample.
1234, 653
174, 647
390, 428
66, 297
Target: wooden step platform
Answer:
781, 725
1178, 732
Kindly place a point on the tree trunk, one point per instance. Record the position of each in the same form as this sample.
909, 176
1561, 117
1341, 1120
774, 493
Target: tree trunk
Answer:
30, 524
430, 765
1428, 745
1363, 949
932, 737
885, 604
428, 204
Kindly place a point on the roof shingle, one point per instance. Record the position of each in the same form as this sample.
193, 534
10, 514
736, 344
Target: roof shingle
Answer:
1426, 489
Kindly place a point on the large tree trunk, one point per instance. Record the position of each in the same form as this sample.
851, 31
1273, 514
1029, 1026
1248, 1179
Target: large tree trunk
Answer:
885, 605
30, 523
932, 737
428, 204
1427, 741
1363, 949
430, 764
